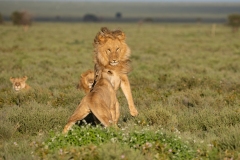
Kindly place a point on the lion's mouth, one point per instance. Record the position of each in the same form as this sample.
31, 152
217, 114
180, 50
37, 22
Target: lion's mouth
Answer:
17, 89
90, 85
113, 63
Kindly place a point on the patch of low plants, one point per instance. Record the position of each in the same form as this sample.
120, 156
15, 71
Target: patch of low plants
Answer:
157, 143
30, 119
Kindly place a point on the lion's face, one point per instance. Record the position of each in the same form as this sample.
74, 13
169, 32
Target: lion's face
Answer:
89, 79
18, 83
112, 52
86, 81
110, 48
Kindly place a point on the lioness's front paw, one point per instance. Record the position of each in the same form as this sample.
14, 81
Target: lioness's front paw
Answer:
134, 112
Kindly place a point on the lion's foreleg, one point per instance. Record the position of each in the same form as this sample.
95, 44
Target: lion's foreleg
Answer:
117, 111
113, 113
125, 85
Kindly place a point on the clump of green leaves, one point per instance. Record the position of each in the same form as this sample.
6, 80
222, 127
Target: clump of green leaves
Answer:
144, 140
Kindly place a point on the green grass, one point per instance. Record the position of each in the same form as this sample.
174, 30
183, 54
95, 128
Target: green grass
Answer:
185, 84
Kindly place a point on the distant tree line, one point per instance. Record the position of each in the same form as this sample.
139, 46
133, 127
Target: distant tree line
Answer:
22, 18
90, 18
234, 21
94, 18
1, 19
25, 19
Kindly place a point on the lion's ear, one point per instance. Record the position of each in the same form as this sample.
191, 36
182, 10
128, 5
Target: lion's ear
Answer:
105, 30
84, 74
81, 76
98, 75
119, 34
101, 36
99, 39
11, 79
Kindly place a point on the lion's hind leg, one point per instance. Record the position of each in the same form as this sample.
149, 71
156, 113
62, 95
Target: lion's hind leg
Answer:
80, 113
68, 126
102, 113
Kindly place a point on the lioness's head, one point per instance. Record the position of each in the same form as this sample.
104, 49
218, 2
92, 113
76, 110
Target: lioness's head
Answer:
110, 47
18, 83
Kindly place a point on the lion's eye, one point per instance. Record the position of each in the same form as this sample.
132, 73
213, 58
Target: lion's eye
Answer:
108, 51
117, 49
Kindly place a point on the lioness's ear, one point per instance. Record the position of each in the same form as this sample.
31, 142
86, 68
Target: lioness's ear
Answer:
11, 79
25, 78
119, 34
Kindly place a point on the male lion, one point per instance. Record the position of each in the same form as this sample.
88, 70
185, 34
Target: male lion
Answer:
113, 53
101, 101
19, 84
86, 81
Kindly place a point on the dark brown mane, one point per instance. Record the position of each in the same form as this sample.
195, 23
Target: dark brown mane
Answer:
105, 34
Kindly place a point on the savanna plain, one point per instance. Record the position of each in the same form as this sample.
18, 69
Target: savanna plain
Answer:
185, 85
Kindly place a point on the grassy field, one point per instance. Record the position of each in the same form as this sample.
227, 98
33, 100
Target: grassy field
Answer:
185, 84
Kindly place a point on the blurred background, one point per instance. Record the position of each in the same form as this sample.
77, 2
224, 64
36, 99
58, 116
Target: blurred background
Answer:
206, 11
185, 79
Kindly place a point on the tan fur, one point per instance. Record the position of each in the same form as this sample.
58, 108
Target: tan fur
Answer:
112, 52
86, 81
19, 84
101, 101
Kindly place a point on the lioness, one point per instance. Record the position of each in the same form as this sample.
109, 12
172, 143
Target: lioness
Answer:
86, 81
101, 101
113, 53
19, 84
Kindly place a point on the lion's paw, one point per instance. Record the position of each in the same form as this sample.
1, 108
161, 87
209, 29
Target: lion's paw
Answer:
134, 112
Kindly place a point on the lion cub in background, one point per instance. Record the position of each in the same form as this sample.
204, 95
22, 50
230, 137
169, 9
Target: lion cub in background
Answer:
19, 84
86, 81
101, 101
